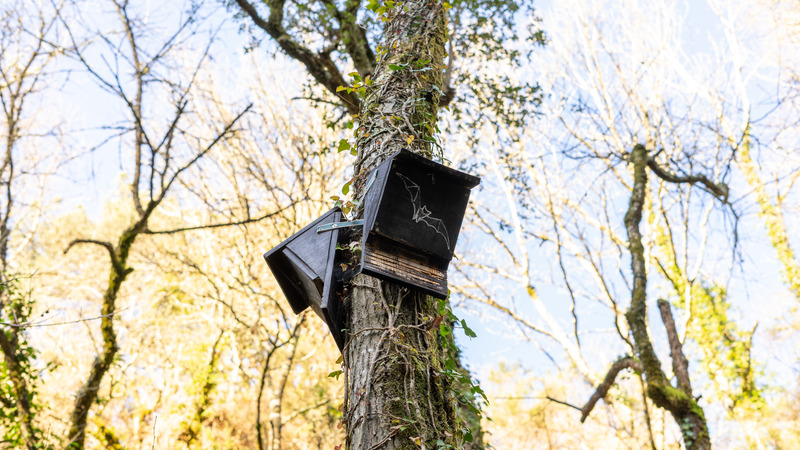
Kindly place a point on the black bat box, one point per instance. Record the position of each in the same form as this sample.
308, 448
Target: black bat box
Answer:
412, 216
303, 265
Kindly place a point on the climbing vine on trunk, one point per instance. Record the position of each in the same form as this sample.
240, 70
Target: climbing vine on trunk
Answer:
398, 391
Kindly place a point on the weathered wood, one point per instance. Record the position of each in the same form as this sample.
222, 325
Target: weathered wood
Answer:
300, 263
304, 266
412, 217
337, 272
407, 266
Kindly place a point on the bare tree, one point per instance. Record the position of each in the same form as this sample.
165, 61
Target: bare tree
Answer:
26, 57
163, 152
613, 86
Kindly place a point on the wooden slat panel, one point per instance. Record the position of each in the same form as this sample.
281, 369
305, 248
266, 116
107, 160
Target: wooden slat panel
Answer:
389, 260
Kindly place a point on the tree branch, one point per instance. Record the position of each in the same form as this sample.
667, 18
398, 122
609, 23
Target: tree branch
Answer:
626, 362
719, 190
354, 37
105, 244
326, 74
563, 403
679, 363
637, 311
201, 154
219, 225
40, 323
678, 402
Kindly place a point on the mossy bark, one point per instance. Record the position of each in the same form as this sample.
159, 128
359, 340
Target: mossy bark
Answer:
398, 395
88, 393
678, 401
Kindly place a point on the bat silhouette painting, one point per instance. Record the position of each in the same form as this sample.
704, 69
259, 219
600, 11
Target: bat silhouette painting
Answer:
421, 212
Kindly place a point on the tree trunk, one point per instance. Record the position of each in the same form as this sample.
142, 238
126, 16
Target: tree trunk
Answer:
397, 391
88, 393
678, 401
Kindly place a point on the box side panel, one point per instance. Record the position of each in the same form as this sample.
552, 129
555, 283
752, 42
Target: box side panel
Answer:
372, 199
306, 279
333, 307
288, 280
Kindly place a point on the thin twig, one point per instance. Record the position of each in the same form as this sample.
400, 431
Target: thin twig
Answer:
220, 225
564, 403
39, 324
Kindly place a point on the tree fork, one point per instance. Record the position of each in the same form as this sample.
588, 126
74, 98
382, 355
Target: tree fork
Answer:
87, 395
678, 401
397, 392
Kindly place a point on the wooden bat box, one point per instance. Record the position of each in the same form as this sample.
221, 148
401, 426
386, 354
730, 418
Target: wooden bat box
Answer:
412, 216
303, 265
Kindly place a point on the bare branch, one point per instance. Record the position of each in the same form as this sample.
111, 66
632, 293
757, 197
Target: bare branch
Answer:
325, 72
105, 244
679, 363
626, 362
563, 403
720, 190
220, 225
40, 323
202, 153
489, 302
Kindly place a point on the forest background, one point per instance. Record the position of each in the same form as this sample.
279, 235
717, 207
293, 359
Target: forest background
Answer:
153, 151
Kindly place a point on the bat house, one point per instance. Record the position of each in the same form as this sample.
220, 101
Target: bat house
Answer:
303, 265
412, 216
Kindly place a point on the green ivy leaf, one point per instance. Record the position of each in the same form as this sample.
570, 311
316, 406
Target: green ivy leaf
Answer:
468, 435
344, 145
467, 330
335, 374
477, 390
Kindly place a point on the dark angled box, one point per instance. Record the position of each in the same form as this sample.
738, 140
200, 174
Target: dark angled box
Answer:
412, 216
303, 265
